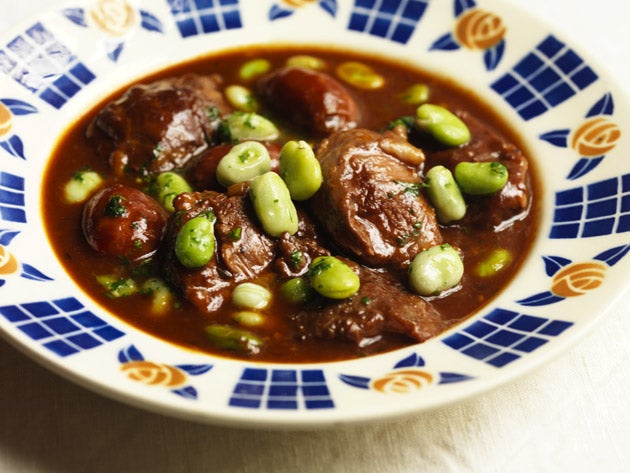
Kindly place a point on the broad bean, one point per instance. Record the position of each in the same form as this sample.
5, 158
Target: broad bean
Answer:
444, 194
273, 205
300, 169
81, 186
435, 269
194, 244
304, 60
117, 286
167, 186
481, 178
162, 298
251, 296
416, 94
333, 278
296, 290
231, 338
254, 68
442, 124
241, 98
244, 126
497, 260
360, 75
248, 318
243, 162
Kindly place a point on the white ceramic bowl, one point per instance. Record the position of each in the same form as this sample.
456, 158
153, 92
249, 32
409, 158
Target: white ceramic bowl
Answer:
61, 63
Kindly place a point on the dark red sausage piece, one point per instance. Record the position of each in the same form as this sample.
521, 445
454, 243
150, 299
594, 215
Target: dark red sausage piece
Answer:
124, 222
311, 99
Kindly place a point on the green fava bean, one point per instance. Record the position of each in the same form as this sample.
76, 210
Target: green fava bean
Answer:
251, 296
254, 68
333, 278
243, 162
300, 169
296, 290
416, 94
495, 262
481, 178
231, 338
167, 186
444, 194
194, 244
81, 186
241, 98
442, 124
273, 205
435, 269
244, 126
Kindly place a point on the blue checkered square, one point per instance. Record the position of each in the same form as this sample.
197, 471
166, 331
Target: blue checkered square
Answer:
544, 78
195, 17
281, 389
599, 208
395, 20
63, 326
45, 66
503, 336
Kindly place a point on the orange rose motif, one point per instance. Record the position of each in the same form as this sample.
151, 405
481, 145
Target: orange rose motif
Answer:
595, 137
578, 278
402, 381
8, 263
115, 17
154, 374
298, 3
6, 119
479, 29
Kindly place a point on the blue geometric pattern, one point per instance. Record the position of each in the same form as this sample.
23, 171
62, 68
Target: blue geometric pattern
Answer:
39, 62
195, 17
544, 78
282, 389
63, 326
395, 20
12, 198
600, 208
503, 336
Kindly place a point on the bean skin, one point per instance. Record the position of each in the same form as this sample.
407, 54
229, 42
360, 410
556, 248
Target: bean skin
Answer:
167, 186
251, 296
300, 169
435, 269
243, 162
273, 205
442, 124
333, 278
194, 244
481, 178
444, 194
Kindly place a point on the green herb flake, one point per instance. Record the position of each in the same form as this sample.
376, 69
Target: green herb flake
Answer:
296, 258
114, 207
213, 113
235, 233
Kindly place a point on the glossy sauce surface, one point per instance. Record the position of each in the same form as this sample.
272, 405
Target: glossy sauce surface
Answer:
183, 324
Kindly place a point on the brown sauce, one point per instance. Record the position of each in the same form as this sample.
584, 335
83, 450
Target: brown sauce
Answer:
183, 325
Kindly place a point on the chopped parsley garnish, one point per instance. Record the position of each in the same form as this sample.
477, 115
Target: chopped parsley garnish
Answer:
115, 207
235, 233
296, 258
213, 113
412, 188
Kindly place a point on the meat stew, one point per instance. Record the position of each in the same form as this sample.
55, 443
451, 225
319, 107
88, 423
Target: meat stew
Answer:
175, 228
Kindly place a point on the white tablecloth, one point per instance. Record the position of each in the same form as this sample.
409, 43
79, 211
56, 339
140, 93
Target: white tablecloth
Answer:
573, 415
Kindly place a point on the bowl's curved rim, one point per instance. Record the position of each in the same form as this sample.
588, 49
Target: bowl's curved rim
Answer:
288, 419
